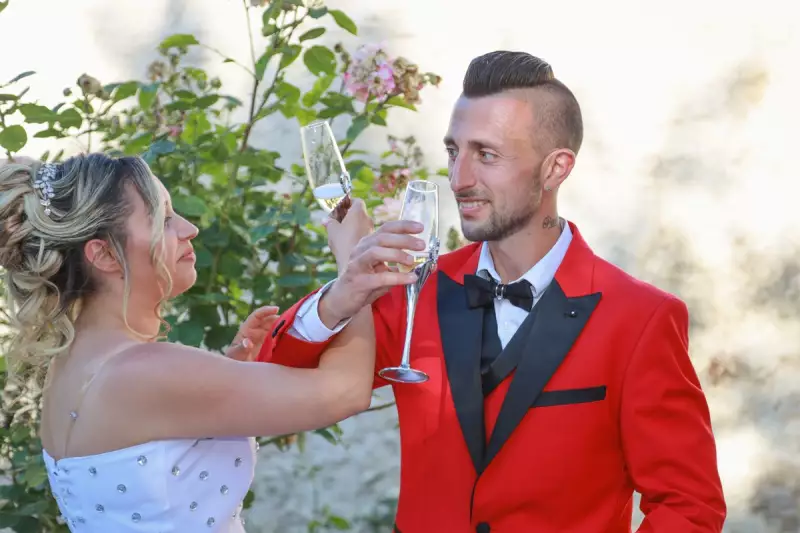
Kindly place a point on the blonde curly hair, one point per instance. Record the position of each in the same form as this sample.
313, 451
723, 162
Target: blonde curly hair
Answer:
46, 275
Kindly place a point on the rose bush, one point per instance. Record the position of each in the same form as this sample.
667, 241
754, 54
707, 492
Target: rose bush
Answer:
258, 244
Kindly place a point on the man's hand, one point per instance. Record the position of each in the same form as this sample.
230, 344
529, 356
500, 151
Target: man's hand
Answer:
252, 333
364, 276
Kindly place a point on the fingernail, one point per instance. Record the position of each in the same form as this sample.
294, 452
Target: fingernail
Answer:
246, 343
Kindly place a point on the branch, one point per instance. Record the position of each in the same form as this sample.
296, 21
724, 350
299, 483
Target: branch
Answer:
380, 407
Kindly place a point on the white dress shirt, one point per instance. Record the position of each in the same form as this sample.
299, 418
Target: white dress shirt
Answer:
308, 326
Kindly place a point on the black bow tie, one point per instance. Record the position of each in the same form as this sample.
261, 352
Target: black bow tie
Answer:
481, 292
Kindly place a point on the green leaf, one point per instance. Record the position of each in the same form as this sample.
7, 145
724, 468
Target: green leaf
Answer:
13, 138
296, 279
289, 55
35, 476
196, 124
305, 116
125, 90
147, 95
190, 333
344, 22
317, 12
178, 40
189, 205
138, 144
8, 97
261, 232
339, 523
248, 499
158, 148
311, 34
49, 132
399, 101
37, 114
21, 75
70, 118
207, 101
219, 336
268, 29
263, 61
319, 60
204, 258
287, 92
320, 86
359, 124
3, 5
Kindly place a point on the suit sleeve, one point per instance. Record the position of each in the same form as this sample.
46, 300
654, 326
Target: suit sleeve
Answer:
284, 348
666, 431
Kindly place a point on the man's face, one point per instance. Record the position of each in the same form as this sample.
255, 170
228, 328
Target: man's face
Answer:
494, 167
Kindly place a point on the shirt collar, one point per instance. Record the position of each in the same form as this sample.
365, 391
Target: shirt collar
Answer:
543, 272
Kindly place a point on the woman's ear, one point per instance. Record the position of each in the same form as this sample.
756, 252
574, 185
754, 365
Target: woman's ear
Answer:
102, 258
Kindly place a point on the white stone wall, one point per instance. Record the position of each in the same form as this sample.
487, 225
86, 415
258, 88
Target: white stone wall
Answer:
687, 179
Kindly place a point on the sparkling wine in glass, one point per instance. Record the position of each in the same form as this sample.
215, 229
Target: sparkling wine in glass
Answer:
327, 175
420, 204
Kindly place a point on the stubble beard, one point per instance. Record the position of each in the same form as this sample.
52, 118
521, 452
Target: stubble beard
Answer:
501, 225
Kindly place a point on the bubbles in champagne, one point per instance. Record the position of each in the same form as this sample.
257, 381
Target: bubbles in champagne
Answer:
418, 258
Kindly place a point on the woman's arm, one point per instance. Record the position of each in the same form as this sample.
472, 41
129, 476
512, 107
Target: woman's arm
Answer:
167, 390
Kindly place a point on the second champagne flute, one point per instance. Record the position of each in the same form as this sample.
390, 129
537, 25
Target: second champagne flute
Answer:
420, 204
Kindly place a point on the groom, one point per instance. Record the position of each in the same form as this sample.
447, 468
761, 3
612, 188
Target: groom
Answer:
559, 385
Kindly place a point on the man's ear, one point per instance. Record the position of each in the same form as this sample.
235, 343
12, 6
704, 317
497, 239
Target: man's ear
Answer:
100, 255
557, 167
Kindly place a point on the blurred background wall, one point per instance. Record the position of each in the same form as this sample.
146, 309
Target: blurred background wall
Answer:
687, 179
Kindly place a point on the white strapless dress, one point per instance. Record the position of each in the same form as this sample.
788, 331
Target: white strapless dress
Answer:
172, 486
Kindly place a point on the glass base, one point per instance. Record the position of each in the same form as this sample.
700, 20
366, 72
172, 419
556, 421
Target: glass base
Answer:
403, 374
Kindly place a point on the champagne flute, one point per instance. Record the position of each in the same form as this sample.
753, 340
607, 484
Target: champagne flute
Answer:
420, 204
327, 175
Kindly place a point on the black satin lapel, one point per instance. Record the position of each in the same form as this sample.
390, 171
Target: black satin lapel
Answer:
559, 321
460, 329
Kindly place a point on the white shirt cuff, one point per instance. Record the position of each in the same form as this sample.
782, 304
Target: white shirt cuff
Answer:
307, 325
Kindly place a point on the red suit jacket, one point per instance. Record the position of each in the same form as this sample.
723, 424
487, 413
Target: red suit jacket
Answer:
604, 401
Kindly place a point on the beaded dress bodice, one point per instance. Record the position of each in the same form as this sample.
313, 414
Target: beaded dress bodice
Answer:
156, 487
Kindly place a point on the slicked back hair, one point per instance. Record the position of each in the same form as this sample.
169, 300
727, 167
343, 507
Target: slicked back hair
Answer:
558, 115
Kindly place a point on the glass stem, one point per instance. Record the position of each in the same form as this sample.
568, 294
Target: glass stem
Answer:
412, 294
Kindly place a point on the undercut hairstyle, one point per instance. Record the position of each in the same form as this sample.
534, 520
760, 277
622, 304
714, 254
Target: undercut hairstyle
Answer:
558, 114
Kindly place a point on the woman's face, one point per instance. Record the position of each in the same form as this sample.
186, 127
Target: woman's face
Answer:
178, 253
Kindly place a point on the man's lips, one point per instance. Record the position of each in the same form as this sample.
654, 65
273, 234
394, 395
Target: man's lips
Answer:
468, 206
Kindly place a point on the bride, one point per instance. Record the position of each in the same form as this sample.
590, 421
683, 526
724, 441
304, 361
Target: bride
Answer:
141, 435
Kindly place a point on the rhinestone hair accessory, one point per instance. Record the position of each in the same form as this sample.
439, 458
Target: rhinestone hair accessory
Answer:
43, 184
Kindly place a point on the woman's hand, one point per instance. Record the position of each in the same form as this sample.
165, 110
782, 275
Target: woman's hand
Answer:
345, 235
252, 334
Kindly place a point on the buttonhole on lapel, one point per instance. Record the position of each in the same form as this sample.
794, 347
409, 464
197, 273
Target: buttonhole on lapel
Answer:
571, 314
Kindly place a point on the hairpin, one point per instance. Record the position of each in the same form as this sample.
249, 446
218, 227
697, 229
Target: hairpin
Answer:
46, 174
